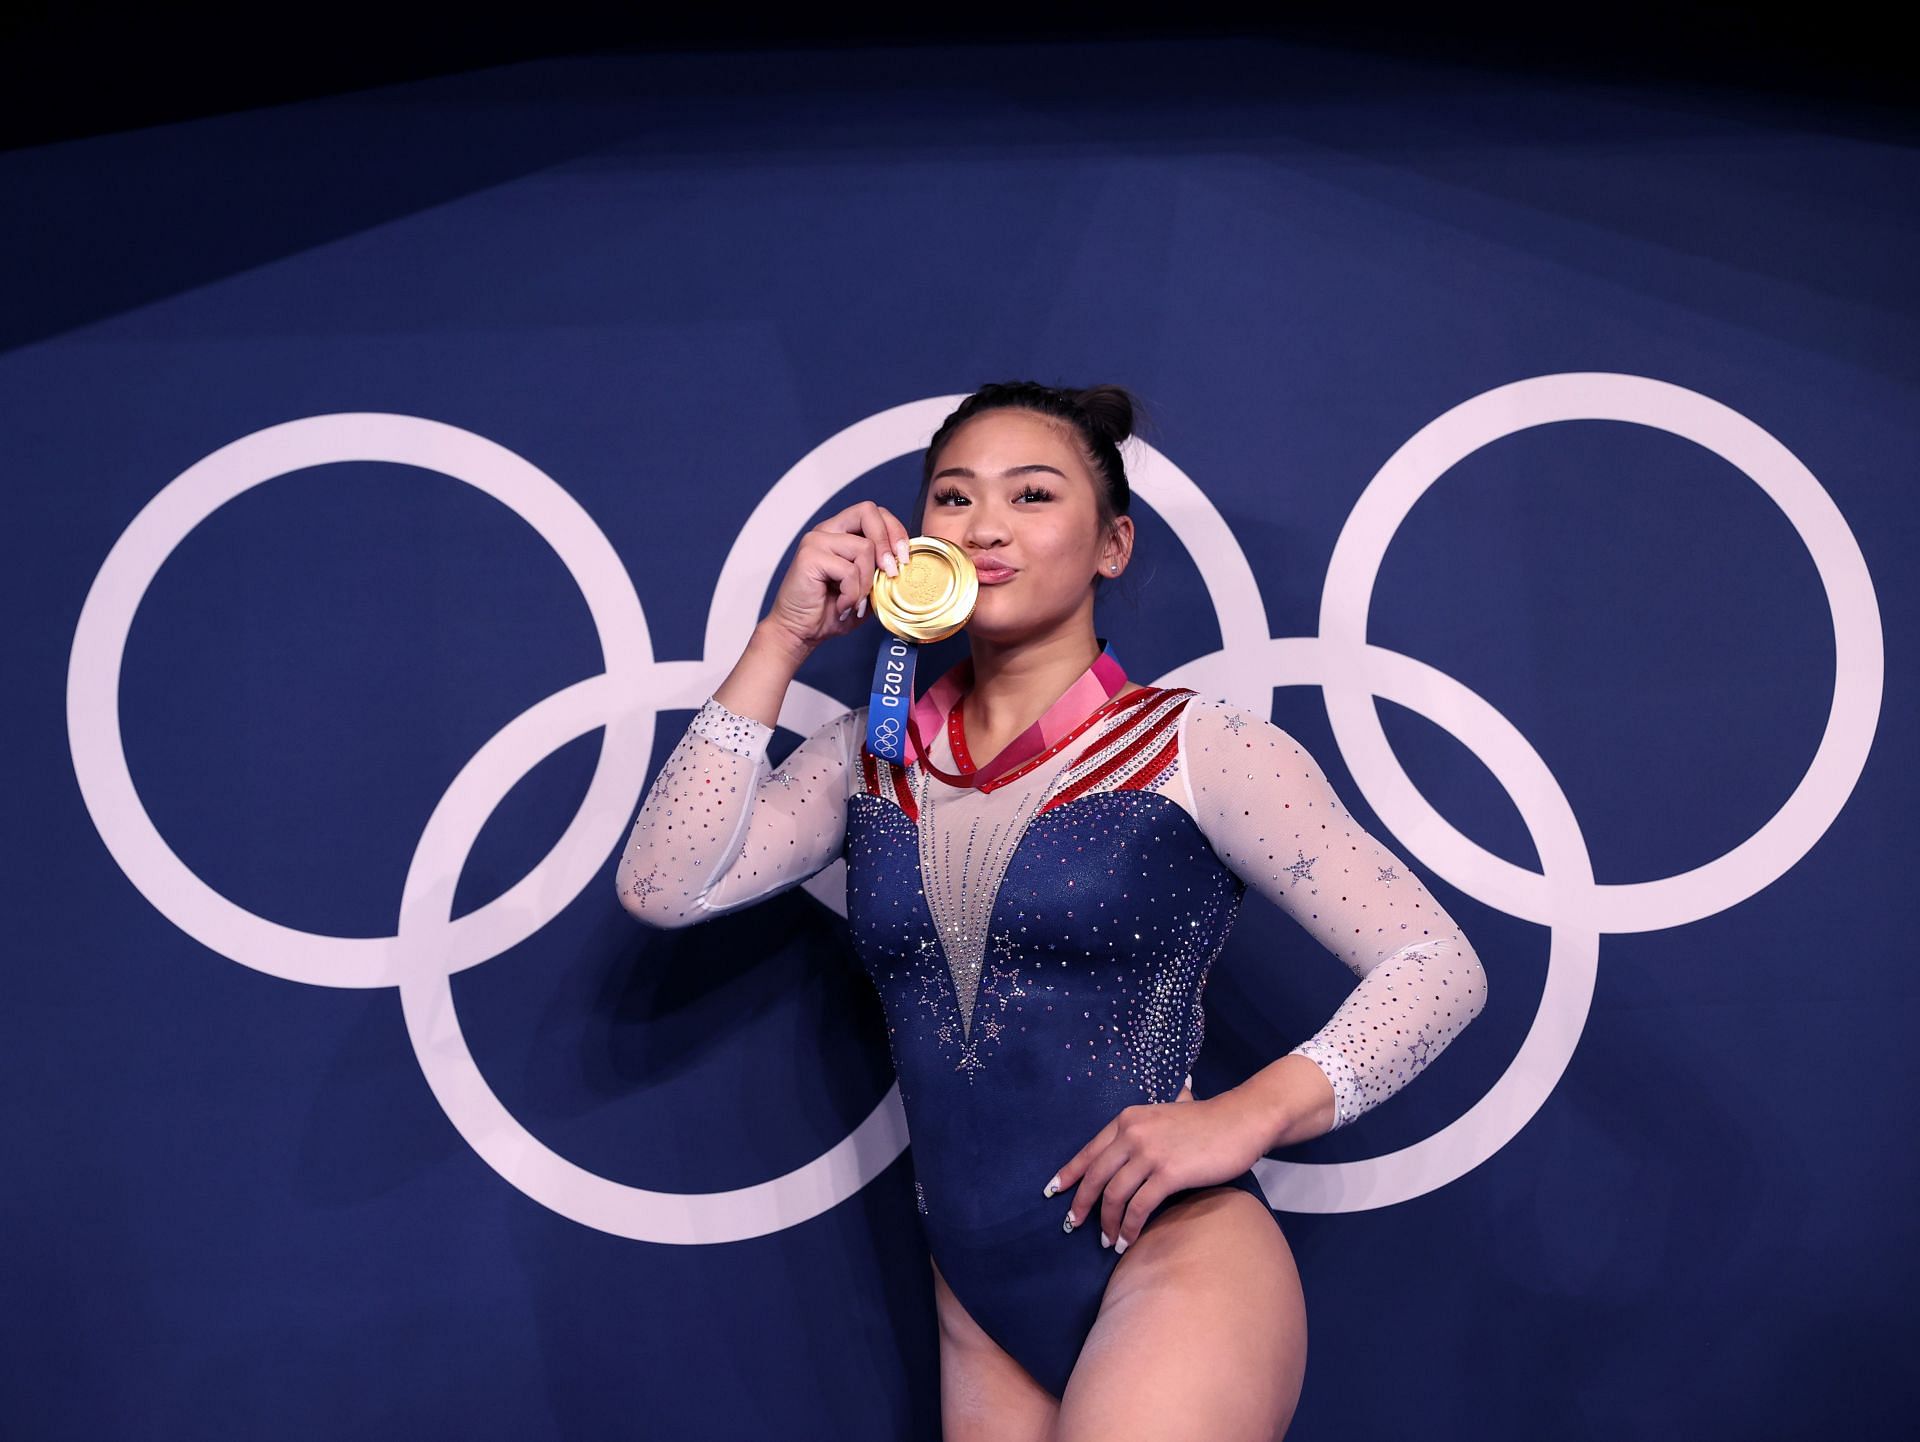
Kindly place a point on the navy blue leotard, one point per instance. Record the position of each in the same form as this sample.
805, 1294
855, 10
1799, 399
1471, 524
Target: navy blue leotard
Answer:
1041, 948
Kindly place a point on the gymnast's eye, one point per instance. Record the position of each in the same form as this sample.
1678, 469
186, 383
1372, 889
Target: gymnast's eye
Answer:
1038, 493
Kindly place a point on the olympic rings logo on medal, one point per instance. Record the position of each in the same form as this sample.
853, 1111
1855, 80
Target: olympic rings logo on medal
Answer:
428, 945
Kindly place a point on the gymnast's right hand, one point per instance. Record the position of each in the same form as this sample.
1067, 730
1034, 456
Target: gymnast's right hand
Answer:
824, 592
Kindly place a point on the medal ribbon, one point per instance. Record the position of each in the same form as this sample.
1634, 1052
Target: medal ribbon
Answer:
890, 698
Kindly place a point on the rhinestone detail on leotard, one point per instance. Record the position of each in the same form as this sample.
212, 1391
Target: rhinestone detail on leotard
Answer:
961, 889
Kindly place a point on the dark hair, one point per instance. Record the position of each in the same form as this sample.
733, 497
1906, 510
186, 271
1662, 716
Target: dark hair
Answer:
1101, 416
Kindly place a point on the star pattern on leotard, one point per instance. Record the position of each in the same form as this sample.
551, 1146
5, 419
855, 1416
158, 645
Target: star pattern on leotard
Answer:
1301, 870
645, 886
1419, 1051
1235, 721
784, 777
935, 991
1000, 987
1387, 874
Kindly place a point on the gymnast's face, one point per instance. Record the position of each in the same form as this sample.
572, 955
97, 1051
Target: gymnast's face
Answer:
1012, 489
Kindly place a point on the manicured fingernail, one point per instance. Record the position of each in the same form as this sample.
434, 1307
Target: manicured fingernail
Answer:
1052, 1187
860, 607
903, 550
1119, 1246
890, 562
846, 613
1103, 1240
1067, 1225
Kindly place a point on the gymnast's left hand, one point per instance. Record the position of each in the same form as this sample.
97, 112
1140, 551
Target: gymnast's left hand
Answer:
1150, 1151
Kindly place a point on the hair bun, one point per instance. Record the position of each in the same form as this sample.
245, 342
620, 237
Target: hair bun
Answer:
1109, 410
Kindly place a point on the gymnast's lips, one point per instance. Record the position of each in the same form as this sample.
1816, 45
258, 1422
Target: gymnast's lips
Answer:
992, 573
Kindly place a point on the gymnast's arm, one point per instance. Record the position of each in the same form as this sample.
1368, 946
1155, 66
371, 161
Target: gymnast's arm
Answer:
721, 828
1273, 819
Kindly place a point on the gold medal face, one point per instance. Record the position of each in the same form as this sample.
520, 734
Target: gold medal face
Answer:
933, 595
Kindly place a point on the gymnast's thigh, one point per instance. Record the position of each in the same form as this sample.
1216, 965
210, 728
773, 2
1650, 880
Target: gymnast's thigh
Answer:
985, 1396
1202, 1331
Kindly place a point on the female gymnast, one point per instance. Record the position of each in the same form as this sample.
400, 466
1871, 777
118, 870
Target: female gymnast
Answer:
1038, 895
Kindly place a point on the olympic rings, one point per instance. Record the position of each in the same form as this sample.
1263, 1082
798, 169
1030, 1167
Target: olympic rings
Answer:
429, 946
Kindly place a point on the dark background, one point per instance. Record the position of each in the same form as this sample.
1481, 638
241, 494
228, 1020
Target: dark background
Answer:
79, 69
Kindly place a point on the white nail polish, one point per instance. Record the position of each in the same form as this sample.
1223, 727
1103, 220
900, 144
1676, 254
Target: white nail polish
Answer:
904, 551
1103, 1240
846, 613
860, 607
1067, 1226
1052, 1187
1119, 1246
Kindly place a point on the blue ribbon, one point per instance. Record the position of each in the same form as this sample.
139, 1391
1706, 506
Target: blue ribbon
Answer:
890, 698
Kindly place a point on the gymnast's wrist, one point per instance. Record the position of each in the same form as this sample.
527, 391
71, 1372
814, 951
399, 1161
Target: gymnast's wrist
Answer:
1292, 1100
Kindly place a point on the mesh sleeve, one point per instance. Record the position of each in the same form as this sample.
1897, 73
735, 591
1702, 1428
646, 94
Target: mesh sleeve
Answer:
720, 828
1273, 819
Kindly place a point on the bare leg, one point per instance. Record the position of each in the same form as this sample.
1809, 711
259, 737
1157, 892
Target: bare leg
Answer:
1202, 1331
985, 1396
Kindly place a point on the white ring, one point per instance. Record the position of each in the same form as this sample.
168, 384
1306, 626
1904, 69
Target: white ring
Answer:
1858, 648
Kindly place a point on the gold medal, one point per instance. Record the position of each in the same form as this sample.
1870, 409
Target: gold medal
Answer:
933, 595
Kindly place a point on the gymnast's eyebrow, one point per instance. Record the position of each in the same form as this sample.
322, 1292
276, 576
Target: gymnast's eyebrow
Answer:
966, 474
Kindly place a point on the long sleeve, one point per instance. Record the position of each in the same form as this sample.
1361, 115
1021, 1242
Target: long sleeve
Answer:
721, 829
1272, 818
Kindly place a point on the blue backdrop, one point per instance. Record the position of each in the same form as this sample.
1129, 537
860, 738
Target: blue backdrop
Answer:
266, 682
